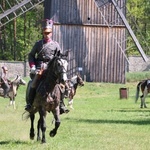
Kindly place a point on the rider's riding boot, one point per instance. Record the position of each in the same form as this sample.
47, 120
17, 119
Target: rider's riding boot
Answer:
66, 93
6, 90
63, 108
32, 93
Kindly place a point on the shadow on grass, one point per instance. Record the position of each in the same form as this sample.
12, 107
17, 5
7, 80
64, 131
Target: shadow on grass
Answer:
101, 121
145, 121
129, 110
12, 142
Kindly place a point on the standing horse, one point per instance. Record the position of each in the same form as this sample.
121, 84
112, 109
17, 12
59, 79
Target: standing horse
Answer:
73, 83
14, 85
47, 98
145, 89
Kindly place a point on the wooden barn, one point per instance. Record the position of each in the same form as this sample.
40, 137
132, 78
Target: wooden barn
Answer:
81, 26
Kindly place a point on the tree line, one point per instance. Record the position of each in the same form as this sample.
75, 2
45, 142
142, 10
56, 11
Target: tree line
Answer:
18, 36
139, 19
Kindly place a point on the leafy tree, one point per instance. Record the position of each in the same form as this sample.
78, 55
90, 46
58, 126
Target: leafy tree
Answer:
18, 36
139, 20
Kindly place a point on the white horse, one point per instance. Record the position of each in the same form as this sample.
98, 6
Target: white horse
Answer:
73, 83
14, 85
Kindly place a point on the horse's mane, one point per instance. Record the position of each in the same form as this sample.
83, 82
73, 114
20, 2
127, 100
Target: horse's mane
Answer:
52, 61
50, 65
16, 81
49, 77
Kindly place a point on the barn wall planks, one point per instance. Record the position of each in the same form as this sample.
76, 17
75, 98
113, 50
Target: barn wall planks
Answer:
84, 12
80, 27
94, 50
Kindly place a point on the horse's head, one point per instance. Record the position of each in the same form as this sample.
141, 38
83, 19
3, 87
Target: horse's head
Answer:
58, 66
19, 81
80, 80
77, 80
62, 67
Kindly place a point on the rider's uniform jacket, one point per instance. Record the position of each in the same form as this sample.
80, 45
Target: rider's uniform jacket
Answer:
43, 51
3, 76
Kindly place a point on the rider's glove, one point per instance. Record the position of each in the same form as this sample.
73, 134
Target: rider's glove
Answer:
33, 69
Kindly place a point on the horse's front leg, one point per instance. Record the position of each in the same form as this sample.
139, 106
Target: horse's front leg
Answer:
32, 134
56, 114
143, 102
13, 102
39, 130
145, 92
41, 125
10, 102
70, 103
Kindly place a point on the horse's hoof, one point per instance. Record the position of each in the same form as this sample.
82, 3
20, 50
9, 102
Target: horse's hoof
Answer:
43, 141
71, 107
32, 136
38, 139
52, 133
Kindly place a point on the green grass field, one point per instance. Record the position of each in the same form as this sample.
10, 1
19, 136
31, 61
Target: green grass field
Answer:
100, 121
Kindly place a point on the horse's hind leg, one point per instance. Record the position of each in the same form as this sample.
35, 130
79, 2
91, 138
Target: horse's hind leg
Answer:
38, 130
143, 101
42, 126
32, 134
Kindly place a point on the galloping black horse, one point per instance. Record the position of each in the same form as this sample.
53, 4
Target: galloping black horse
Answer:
48, 95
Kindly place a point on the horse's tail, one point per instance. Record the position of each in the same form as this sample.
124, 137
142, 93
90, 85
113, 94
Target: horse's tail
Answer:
137, 91
26, 114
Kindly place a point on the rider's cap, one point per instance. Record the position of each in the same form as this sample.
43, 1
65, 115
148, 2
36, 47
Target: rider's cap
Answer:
47, 25
5, 68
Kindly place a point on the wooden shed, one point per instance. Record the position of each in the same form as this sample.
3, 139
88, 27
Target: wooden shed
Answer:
81, 26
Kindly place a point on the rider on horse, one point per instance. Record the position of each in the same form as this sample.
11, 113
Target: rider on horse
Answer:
42, 52
4, 81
